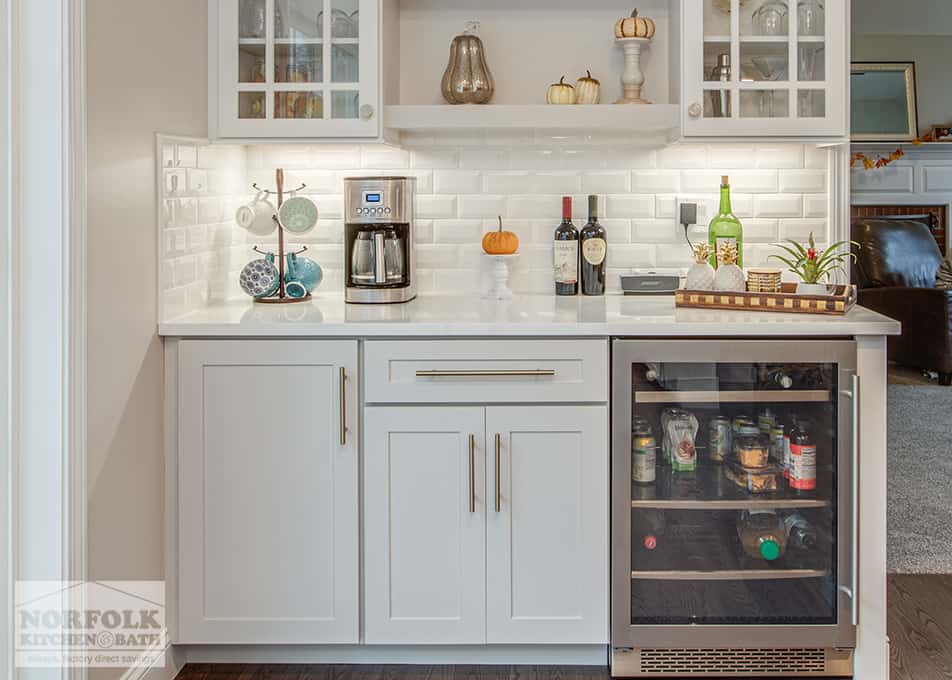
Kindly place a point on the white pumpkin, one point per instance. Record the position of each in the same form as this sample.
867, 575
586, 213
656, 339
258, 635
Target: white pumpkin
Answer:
634, 26
560, 93
587, 89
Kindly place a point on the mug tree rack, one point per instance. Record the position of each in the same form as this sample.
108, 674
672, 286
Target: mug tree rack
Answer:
281, 296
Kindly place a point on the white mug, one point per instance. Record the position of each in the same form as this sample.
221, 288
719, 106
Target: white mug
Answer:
257, 217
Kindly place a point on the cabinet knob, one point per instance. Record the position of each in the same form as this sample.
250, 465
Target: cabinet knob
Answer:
695, 110
366, 112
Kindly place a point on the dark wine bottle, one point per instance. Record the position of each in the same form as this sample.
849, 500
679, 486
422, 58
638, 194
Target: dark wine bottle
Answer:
565, 252
594, 247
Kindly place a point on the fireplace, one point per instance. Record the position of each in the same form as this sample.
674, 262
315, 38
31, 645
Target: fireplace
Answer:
938, 215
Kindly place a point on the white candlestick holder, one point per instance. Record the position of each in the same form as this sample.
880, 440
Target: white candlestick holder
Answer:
633, 78
499, 289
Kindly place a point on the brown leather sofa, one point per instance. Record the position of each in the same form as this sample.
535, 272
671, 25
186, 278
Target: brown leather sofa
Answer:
895, 271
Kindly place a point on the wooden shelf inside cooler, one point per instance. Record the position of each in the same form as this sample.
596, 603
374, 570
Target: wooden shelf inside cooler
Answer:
710, 491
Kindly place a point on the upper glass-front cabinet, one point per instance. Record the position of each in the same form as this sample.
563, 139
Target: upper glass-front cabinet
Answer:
296, 68
765, 67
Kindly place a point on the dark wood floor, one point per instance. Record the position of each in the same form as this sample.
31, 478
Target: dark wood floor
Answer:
920, 630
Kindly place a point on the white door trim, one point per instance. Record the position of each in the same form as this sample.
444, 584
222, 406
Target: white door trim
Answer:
42, 306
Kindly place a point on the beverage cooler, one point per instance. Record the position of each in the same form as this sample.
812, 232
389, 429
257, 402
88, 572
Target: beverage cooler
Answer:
734, 507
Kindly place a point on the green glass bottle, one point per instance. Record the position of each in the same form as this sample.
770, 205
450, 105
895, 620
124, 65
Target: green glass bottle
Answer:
725, 227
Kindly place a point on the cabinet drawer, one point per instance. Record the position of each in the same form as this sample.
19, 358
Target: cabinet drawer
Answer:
495, 371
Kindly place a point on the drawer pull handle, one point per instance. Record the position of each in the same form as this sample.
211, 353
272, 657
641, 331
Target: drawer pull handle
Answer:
472, 473
343, 406
533, 373
498, 471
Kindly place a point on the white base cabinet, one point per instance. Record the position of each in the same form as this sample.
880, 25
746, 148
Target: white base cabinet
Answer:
268, 492
469, 543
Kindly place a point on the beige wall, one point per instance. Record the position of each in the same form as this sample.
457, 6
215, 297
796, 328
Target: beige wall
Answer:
913, 30
933, 74
146, 72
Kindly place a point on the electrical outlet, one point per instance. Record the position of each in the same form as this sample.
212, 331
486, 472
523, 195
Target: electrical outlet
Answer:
471, 27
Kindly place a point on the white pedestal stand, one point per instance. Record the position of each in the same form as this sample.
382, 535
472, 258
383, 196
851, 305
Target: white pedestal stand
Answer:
499, 289
633, 78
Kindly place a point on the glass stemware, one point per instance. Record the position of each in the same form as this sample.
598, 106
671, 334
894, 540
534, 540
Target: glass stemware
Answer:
772, 68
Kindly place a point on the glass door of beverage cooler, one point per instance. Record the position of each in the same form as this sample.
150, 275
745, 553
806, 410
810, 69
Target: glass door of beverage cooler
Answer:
733, 494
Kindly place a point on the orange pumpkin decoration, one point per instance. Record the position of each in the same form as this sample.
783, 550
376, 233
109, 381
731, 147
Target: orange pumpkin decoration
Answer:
500, 242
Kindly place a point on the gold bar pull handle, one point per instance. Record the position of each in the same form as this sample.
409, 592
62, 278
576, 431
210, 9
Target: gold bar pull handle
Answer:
498, 472
343, 406
519, 373
472, 473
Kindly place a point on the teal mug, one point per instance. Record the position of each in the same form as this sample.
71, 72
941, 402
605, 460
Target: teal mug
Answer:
302, 276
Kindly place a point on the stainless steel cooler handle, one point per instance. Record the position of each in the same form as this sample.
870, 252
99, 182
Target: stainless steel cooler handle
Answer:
855, 543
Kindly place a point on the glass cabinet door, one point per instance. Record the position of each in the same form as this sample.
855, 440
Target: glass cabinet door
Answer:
297, 68
737, 491
760, 67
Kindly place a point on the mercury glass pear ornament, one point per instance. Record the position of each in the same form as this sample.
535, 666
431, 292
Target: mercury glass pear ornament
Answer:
467, 79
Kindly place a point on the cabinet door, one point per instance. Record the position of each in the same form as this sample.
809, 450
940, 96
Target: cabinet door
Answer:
547, 524
424, 525
775, 68
268, 533
296, 68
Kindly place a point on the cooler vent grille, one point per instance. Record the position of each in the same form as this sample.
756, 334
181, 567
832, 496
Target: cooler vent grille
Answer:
732, 661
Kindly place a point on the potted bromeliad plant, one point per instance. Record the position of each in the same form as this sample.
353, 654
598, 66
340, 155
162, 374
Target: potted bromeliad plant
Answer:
812, 266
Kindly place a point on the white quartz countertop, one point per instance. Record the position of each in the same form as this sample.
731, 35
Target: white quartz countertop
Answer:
526, 315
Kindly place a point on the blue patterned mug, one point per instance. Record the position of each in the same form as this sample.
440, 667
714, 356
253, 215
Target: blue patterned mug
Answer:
260, 278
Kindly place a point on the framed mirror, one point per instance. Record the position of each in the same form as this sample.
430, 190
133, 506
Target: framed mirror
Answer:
883, 102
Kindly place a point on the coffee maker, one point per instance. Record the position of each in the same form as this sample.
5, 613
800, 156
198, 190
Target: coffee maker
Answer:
378, 240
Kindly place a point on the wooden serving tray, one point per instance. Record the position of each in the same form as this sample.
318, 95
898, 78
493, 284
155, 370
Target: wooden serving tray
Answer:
837, 303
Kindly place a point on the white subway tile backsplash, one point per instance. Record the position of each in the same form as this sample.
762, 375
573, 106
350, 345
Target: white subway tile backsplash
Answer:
803, 181
781, 157
727, 157
761, 231
528, 207
458, 231
632, 256
617, 231
778, 205
384, 157
457, 182
779, 191
700, 181
484, 159
554, 183
656, 231
755, 181
683, 156
629, 205
508, 182
816, 158
816, 205
534, 159
656, 181
482, 206
434, 158
800, 230
610, 182
436, 207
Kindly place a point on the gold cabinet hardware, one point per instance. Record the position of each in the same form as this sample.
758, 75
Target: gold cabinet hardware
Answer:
472, 473
498, 472
343, 406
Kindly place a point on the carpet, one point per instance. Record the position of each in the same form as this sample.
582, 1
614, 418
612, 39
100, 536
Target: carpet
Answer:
919, 503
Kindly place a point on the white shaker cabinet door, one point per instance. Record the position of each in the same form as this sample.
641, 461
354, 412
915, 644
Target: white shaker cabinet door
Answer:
547, 524
424, 525
268, 532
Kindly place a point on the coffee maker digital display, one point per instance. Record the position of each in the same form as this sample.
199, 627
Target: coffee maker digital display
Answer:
378, 240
